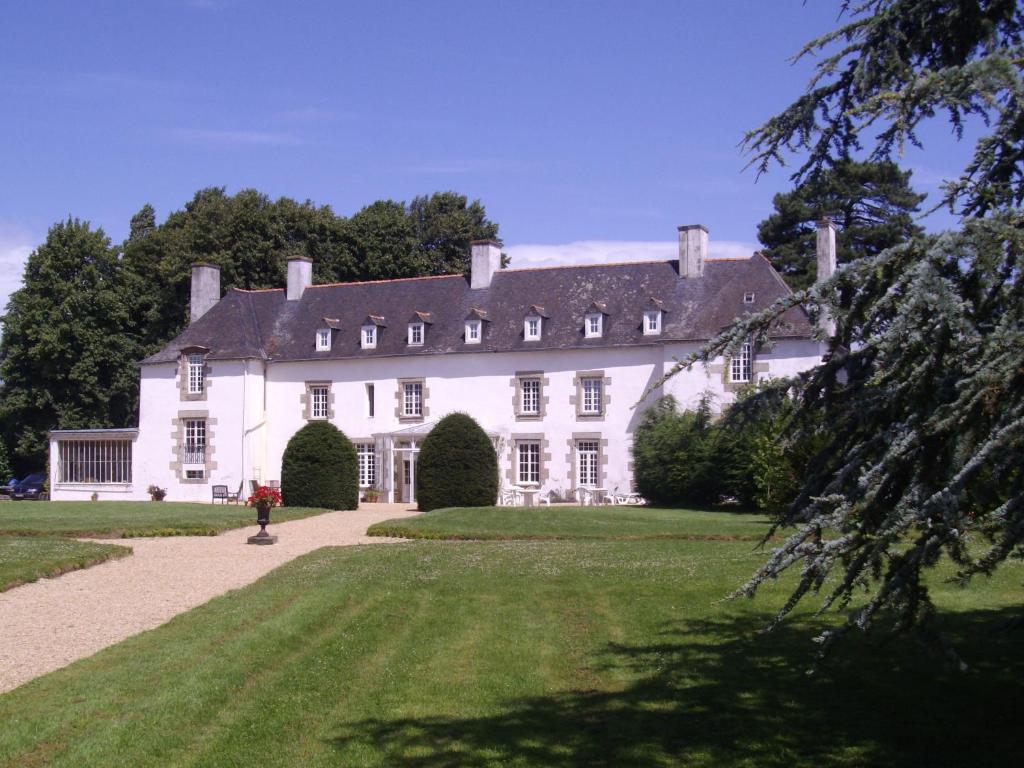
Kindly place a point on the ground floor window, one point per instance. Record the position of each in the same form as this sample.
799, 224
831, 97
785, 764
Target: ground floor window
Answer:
588, 457
740, 366
94, 461
195, 474
529, 463
367, 464
195, 441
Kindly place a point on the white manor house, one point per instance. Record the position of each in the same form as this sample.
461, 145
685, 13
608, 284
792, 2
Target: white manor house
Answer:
552, 362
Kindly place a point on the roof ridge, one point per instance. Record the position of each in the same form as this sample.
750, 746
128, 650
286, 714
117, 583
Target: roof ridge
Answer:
616, 264
388, 280
255, 290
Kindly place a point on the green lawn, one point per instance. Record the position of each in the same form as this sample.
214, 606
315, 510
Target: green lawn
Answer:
25, 559
113, 519
545, 523
531, 653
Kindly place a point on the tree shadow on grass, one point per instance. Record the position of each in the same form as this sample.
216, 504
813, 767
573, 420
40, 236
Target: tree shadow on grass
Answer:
718, 693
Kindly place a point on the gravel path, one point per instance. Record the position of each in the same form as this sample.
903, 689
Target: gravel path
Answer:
53, 622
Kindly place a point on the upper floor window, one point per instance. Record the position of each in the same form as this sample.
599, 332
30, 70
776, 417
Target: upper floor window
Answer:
323, 339
370, 401
195, 374
529, 397
593, 325
319, 402
532, 328
593, 400
740, 368
369, 337
473, 331
652, 322
412, 399
415, 334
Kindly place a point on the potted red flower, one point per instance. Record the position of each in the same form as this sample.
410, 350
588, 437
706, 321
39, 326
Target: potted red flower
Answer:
264, 499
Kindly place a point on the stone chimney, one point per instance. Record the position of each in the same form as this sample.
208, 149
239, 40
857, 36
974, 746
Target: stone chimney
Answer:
826, 249
300, 276
826, 266
205, 289
693, 250
486, 260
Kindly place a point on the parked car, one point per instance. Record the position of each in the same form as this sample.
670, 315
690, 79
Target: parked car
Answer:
29, 488
6, 488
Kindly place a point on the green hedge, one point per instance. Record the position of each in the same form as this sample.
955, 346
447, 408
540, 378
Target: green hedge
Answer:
320, 469
457, 466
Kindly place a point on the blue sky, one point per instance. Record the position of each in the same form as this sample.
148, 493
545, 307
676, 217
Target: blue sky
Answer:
590, 130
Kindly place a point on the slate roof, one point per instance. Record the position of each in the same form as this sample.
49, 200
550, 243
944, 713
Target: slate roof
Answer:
263, 324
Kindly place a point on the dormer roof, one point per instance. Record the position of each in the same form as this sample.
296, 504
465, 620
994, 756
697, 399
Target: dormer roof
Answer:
333, 323
263, 324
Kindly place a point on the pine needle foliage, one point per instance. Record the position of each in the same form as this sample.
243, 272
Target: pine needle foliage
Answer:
320, 469
919, 400
457, 466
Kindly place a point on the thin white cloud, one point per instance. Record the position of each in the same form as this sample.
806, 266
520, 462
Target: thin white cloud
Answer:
240, 138
614, 251
16, 243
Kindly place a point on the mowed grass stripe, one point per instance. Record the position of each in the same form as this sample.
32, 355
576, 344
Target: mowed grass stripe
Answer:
546, 523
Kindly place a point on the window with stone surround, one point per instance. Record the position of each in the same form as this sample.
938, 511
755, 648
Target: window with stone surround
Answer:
319, 396
196, 378
529, 396
592, 388
588, 463
528, 462
741, 365
412, 399
195, 442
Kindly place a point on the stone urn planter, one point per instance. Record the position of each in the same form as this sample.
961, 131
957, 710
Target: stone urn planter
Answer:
264, 499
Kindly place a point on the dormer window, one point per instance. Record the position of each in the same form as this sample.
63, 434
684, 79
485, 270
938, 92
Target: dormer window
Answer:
593, 325
323, 340
369, 337
532, 328
473, 334
748, 297
652, 322
415, 334
195, 374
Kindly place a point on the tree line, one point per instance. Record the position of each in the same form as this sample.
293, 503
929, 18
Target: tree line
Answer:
90, 309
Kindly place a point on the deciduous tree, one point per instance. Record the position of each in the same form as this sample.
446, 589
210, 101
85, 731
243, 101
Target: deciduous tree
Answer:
70, 342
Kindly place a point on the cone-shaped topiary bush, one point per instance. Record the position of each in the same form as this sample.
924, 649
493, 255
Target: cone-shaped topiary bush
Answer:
320, 469
457, 466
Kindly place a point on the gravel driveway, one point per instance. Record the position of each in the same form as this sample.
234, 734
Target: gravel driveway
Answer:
53, 622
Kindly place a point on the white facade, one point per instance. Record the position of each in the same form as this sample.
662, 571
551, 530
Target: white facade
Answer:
253, 407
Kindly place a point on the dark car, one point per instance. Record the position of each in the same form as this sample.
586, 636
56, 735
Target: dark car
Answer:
29, 488
6, 488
